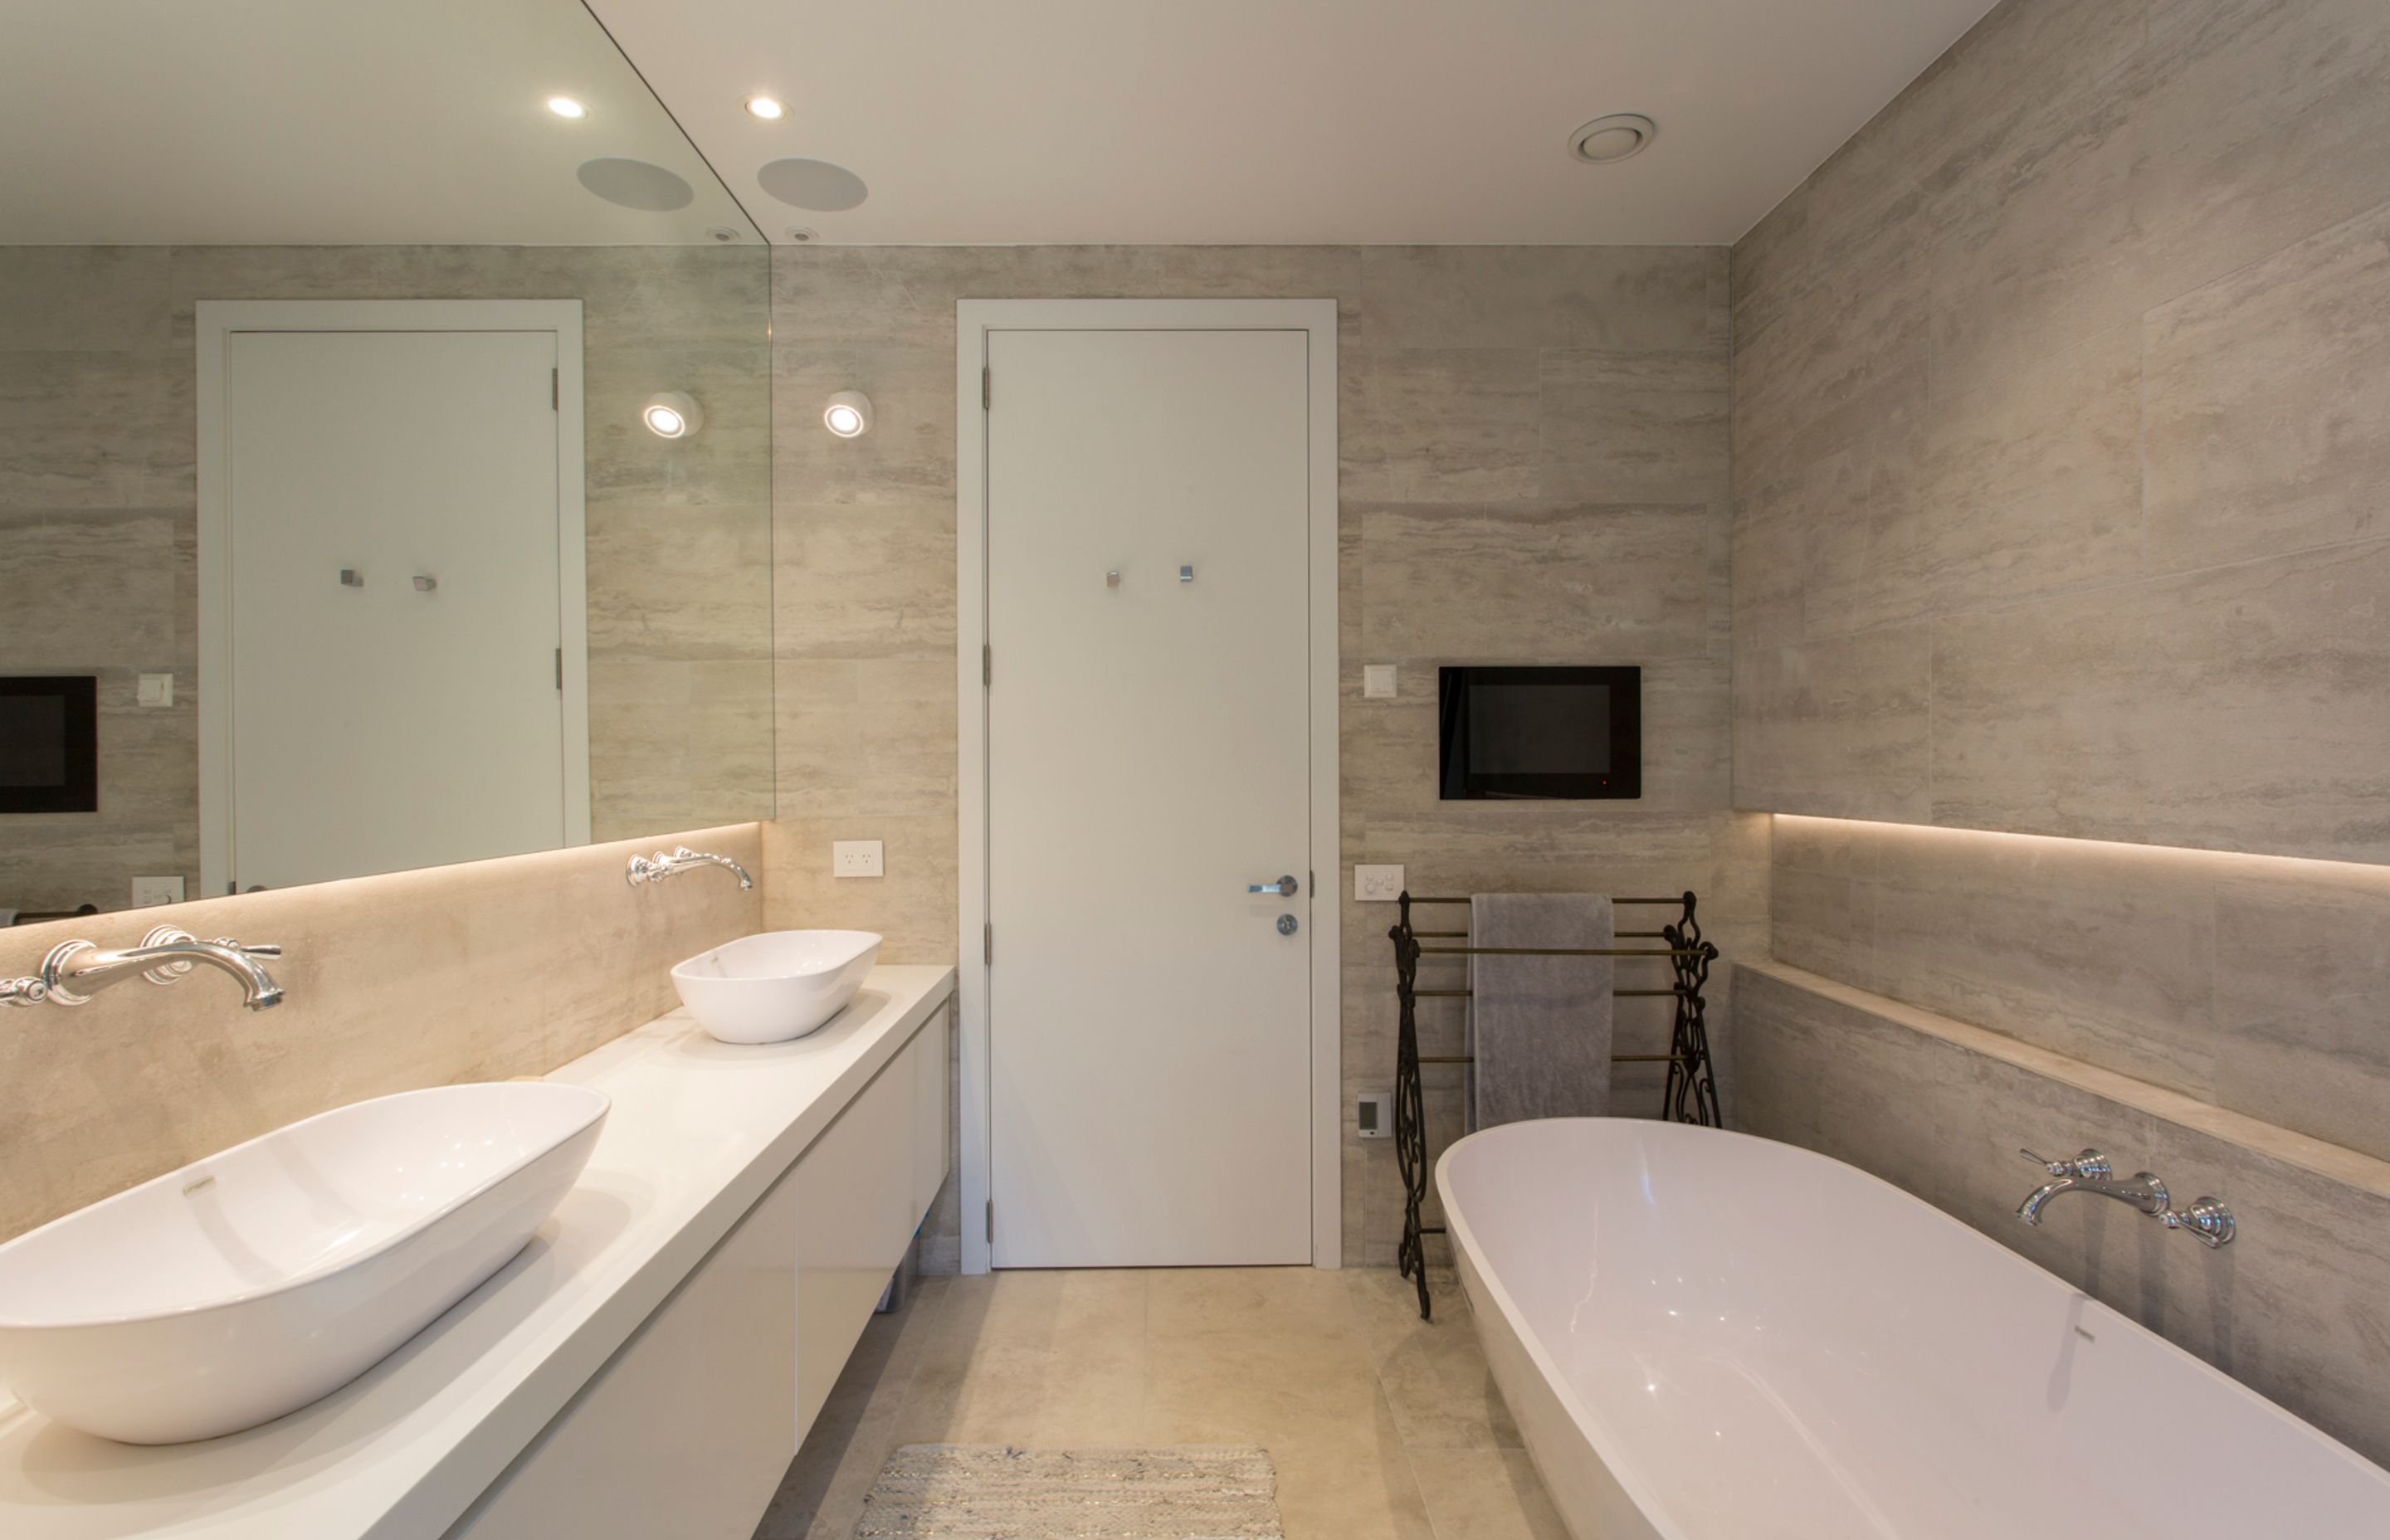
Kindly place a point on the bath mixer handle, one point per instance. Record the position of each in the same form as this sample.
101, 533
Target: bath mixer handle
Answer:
2090, 1166
2206, 1218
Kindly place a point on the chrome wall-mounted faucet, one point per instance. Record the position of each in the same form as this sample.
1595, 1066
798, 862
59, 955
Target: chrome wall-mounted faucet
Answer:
2090, 1172
672, 863
75, 970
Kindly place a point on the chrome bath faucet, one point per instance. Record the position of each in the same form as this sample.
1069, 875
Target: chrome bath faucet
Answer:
75, 970
2090, 1172
672, 863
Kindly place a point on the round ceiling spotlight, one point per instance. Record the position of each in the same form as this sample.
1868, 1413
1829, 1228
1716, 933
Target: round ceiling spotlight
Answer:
815, 185
673, 415
565, 107
1607, 141
803, 234
636, 184
848, 414
769, 108
726, 234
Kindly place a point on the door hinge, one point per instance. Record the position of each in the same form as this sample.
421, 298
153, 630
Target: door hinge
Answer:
991, 1220
987, 389
559, 668
986, 664
987, 941
555, 390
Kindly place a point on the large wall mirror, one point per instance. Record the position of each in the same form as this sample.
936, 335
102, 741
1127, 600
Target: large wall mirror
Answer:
385, 461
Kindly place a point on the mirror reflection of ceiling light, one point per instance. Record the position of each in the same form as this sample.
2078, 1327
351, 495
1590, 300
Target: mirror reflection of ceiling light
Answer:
848, 414
673, 415
767, 107
565, 107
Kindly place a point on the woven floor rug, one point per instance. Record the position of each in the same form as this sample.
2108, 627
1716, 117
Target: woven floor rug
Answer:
993, 1491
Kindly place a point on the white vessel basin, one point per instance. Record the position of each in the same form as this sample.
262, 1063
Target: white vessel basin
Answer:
250, 1283
779, 984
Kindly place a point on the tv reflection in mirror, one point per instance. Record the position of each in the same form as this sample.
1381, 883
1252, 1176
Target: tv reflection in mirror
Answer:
1540, 733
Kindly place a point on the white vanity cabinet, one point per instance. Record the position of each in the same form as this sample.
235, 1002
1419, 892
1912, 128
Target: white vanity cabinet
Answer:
688, 1431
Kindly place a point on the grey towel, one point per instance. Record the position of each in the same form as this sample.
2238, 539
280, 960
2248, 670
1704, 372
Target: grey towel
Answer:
1543, 1024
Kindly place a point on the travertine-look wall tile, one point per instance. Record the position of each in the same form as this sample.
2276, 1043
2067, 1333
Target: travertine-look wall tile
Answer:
1940, 1109
2269, 403
1940, 416
1858, 704
2242, 707
879, 584
471, 972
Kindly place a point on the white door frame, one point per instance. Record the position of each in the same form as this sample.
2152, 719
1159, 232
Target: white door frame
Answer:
217, 320
973, 320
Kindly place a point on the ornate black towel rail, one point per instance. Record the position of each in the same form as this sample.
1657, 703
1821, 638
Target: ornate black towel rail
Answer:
1690, 1096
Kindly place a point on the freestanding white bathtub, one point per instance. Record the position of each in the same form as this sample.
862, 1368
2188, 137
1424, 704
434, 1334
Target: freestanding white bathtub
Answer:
1706, 1336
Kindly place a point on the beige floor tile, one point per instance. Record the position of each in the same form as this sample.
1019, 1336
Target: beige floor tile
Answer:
1485, 1495
1381, 1427
1035, 1358
1434, 1373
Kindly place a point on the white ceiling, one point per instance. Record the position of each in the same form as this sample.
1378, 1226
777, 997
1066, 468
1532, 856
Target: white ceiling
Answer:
1209, 121
325, 122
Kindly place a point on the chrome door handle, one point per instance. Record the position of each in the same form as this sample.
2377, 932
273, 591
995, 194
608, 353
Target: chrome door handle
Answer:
1284, 887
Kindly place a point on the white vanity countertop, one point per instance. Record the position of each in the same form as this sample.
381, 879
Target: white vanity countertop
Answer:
699, 1130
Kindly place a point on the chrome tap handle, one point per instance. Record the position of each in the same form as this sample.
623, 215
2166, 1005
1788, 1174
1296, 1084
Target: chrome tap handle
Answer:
2206, 1218
266, 949
2089, 1166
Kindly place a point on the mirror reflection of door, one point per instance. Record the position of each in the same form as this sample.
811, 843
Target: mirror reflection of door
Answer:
383, 592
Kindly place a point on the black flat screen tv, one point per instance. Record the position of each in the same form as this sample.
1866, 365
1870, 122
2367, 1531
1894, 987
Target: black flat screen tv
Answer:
1537, 732
49, 743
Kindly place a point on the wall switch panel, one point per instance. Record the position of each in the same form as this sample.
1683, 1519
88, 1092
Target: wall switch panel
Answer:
1378, 681
1373, 1114
855, 858
1377, 884
155, 689
150, 891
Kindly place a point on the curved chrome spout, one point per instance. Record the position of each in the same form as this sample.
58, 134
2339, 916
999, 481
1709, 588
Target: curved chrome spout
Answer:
2089, 1172
663, 864
75, 970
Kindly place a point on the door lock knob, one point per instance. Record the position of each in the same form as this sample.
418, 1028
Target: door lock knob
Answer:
1287, 925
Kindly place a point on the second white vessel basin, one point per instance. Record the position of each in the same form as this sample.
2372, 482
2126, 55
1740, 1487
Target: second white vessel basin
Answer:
250, 1283
780, 984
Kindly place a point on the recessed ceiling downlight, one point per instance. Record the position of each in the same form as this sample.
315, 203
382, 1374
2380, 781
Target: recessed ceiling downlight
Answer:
767, 107
636, 184
1607, 141
565, 107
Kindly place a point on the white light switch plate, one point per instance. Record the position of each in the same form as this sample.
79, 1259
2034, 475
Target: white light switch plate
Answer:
154, 689
855, 858
1377, 884
149, 891
1378, 681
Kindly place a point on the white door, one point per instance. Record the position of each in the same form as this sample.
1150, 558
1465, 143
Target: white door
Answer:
377, 724
1147, 742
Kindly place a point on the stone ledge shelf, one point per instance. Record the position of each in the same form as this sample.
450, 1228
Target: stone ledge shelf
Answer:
699, 1133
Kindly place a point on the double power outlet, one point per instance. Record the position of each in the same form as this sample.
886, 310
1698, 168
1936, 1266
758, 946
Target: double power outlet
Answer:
855, 858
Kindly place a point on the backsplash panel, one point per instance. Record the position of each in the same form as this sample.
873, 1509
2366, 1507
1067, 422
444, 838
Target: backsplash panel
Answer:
471, 972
